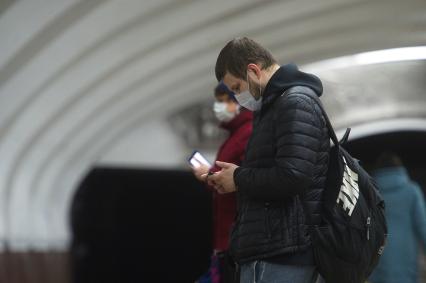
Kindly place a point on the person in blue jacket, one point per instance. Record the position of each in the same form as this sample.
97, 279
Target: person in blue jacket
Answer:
406, 217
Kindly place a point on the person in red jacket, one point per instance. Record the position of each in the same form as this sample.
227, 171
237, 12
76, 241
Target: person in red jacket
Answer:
238, 122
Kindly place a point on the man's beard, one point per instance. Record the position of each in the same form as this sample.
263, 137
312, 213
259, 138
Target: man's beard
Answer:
255, 89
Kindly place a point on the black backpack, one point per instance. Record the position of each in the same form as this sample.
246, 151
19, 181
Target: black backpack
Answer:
348, 244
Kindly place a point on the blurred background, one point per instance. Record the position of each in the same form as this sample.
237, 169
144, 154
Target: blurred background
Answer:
102, 102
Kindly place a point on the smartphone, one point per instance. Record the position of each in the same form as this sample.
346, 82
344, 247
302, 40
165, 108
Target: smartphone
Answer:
197, 159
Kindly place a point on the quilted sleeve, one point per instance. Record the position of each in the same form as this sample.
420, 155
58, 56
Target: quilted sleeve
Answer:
297, 140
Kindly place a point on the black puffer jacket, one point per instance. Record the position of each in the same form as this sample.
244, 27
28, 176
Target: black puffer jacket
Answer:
283, 175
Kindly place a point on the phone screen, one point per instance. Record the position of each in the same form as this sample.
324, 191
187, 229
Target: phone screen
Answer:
197, 159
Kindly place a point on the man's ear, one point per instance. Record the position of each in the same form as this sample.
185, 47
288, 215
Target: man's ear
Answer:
255, 69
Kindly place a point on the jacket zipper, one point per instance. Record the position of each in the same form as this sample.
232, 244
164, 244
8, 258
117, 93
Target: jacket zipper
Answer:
267, 222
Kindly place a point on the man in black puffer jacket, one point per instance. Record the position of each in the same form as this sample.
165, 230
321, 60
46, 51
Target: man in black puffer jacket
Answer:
279, 185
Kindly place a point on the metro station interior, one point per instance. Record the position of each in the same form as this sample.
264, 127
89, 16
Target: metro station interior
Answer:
102, 102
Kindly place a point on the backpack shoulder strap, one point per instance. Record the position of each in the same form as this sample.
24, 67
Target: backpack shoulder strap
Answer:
309, 92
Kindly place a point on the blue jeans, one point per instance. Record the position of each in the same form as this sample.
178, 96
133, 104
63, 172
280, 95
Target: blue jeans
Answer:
265, 272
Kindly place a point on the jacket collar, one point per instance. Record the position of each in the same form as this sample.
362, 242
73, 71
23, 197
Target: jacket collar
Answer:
285, 77
242, 118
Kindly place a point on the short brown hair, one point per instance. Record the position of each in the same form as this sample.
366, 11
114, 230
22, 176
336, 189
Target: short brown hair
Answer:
237, 54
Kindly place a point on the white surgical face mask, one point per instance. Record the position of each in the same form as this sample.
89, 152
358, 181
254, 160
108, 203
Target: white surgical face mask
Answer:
246, 99
221, 112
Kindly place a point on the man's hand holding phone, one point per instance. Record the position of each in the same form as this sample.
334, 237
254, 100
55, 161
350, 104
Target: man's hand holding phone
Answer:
201, 172
200, 166
223, 181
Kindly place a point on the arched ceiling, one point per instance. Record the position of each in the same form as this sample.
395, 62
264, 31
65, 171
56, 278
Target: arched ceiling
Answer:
78, 76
